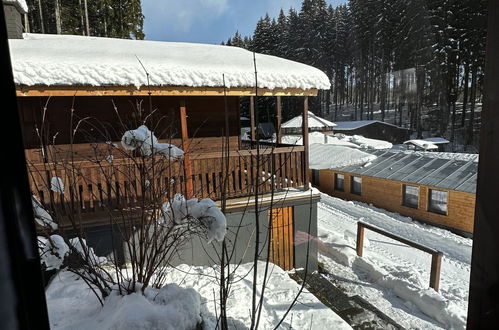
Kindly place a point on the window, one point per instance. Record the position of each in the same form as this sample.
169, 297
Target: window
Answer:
411, 196
356, 187
438, 201
339, 182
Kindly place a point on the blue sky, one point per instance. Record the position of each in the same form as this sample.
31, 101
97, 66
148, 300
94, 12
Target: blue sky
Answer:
208, 21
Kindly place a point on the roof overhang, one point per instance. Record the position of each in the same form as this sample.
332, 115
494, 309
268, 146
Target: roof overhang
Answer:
157, 91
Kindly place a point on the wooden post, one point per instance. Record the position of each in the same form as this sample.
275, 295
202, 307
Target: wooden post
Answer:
436, 263
305, 142
189, 191
278, 109
483, 309
360, 239
252, 118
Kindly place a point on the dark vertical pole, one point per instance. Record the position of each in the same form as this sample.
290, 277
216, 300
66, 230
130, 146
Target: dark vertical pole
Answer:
305, 142
22, 296
360, 239
189, 191
436, 265
252, 119
483, 307
278, 110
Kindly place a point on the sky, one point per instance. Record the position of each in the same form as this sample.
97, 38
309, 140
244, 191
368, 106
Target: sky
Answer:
209, 21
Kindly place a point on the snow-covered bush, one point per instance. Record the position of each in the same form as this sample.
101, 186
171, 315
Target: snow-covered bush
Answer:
181, 211
143, 140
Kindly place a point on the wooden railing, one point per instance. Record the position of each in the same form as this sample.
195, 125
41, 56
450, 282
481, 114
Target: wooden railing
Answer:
92, 186
436, 256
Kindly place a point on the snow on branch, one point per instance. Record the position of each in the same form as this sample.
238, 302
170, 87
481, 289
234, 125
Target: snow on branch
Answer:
52, 251
56, 185
42, 217
86, 252
147, 144
180, 211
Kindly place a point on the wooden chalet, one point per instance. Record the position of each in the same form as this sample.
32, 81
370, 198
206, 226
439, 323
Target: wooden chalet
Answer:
435, 190
62, 80
374, 129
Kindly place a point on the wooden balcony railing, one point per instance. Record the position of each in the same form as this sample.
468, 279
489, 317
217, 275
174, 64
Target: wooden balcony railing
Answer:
92, 186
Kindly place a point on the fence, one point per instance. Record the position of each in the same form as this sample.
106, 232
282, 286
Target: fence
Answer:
436, 260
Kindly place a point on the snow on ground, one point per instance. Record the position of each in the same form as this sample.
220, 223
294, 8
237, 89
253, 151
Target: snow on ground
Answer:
392, 276
72, 305
42, 59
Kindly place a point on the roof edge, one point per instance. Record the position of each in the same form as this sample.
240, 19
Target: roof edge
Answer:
23, 91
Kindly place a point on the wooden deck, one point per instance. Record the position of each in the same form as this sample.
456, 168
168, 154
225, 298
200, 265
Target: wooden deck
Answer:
94, 186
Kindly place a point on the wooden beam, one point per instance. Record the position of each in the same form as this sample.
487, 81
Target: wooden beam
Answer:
155, 91
189, 191
278, 110
305, 142
252, 118
483, 307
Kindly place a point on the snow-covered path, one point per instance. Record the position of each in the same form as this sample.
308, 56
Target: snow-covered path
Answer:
391, 275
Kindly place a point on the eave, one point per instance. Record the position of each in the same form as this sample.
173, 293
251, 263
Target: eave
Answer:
156, 91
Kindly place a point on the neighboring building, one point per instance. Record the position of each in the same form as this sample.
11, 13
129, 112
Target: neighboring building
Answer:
420, 145
434, 190
374, 129
315, 124
101, 77
440, 142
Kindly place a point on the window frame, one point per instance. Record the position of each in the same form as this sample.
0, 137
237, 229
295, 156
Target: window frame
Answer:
434, 209
336, 182
404, 194
352, 180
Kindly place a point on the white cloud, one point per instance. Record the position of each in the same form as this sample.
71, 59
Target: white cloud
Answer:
182, 15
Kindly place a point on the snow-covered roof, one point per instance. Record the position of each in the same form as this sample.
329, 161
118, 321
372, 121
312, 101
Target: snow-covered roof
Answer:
363, 142
19, 4
67, 60
423, 144
316, 137
418, 168
437, 140
351, 125
313, 122
355, 141
326, 156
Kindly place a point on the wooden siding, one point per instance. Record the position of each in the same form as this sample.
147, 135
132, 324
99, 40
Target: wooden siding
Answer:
205, 121
388, 194
27, 91
96, 186
282, 238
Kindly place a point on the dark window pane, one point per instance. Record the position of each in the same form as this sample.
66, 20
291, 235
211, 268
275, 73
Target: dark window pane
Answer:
411, 196
438, 201
339, 180
356, 185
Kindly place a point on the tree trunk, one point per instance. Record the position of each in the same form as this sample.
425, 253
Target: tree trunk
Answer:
465, 94
57, 12
41, 16
87, 26
469, 140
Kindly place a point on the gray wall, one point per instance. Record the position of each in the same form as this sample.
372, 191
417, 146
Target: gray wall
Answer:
241, 233
13, 21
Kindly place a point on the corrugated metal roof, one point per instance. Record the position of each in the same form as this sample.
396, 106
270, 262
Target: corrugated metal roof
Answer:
351, 125
459, 175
